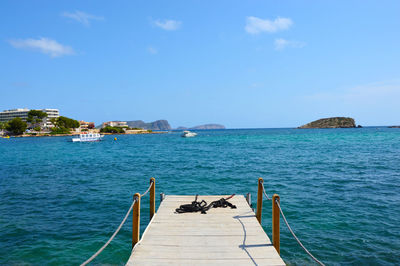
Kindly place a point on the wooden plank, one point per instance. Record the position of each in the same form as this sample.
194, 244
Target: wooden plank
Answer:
205, 262
223, 236
206, 241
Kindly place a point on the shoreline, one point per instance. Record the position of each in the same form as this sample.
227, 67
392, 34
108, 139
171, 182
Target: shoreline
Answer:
139, 132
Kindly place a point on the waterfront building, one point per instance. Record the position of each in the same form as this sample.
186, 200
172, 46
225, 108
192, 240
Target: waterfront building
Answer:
51, 113
86, 125
8, 115
115, 124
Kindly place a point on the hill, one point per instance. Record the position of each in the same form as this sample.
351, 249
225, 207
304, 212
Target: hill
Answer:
200, 127
156, 125
333, 122
209, 126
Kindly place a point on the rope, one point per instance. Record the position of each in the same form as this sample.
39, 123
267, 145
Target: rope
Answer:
201, 206
119, 227
112, 237
147, 191
265, 193
298, 241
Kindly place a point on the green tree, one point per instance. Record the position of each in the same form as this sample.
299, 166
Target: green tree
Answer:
37, 114
62, 125
35, 118
59, 130
109, 129
16, 126
66, 122
3, 125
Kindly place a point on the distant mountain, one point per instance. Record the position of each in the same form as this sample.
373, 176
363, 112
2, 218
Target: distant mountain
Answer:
156, 125
206, 126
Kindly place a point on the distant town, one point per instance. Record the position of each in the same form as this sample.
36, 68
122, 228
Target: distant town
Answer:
48, 122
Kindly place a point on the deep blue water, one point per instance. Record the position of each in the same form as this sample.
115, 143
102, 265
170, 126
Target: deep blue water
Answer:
339, 188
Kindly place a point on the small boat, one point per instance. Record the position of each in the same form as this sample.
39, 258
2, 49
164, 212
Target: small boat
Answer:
6, 137
188, 134
88, 137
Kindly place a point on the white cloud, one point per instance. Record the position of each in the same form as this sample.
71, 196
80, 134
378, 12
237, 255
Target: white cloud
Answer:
81, 17
152, 50
281, 44
168, 24
256, 25
44, 45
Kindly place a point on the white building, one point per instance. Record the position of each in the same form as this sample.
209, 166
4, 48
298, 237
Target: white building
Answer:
51, 113
8, 115
115, 124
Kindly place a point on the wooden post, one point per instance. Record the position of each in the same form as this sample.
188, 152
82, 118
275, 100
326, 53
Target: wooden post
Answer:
248, 199
162, 196
136, 220
259, 199
275, 223
152, 197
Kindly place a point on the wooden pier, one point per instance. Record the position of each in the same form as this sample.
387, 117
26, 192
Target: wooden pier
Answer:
223, 236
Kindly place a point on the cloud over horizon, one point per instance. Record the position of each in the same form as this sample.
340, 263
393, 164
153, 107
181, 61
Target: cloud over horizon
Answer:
43, 45
81, 17
256, 25
167, 24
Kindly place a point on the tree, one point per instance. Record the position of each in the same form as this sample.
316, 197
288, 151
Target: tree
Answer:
109, 129
35, 117
66, 122
37, 114
59, 130
3, 125
16, 126
63, 125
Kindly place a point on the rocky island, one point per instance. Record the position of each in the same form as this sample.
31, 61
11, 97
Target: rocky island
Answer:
156, 125
165, 126
206, 126
332, 122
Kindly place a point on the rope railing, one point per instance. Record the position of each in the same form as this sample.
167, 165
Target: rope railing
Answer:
136, 199
148, 189
112, 237
265, 193
276, 201
295, 237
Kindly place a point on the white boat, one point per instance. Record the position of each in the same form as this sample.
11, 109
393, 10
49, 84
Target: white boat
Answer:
88, 137
188, 134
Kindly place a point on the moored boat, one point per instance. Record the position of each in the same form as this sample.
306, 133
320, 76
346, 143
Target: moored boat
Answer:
90, 137
188, 134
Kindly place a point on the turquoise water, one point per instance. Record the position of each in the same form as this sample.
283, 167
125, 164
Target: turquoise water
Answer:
339, 188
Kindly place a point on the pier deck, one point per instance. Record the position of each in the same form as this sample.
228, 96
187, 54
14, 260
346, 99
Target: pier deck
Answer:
223, 236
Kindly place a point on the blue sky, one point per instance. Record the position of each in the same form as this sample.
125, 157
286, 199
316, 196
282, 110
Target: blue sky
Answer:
243, 64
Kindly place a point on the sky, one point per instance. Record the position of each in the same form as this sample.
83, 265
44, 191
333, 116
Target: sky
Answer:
243, 64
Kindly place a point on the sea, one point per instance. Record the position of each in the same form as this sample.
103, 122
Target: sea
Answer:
339, 190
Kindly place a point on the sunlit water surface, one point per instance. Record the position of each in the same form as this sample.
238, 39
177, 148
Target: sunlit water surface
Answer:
339, 188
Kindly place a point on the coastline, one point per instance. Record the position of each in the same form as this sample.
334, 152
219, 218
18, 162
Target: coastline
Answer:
138, 132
